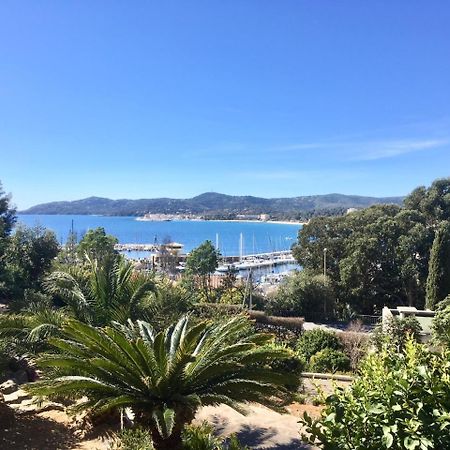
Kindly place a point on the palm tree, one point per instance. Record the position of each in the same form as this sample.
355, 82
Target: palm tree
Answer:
95, 293
101, 291
165, 377
28, 330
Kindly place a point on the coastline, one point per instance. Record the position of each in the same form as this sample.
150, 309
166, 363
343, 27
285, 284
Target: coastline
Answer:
279, 222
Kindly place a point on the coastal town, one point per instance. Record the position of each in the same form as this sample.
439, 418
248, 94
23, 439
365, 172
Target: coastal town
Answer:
169, 217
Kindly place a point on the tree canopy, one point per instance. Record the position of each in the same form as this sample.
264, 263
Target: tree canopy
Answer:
201, 263
376, 256
96, 244
7, 221
438, 282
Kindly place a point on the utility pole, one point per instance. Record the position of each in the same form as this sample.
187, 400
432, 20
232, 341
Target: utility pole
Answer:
325, 262
250, 287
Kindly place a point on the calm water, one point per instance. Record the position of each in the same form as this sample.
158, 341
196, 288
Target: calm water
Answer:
258, 237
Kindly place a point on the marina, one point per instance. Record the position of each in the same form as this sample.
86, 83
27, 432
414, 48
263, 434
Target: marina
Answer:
139, 238
262, 247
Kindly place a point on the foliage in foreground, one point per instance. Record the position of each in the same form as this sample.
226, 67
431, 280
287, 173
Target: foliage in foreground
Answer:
399, 401
441, 323
195, 437
165, 377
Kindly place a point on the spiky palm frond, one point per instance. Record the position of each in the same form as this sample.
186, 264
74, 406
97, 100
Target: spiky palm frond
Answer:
179, 369
29, 330
101, 291
73, 288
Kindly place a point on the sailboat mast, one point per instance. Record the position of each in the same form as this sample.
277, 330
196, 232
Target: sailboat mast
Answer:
241, 246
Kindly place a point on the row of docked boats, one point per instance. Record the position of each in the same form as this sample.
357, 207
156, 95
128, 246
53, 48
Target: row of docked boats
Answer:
256, 262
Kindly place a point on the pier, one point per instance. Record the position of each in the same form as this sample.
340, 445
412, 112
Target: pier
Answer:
159, 253
137, 247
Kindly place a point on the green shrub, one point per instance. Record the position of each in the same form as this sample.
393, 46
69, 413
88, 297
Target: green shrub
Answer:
294, 365
311, 342
396, 332
329, 360
195, 437
4, 357
399, 401
201, 437
132, 439
216, 310
441, 323
303, 294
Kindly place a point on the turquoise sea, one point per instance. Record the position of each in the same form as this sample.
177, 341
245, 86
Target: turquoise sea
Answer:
259, 237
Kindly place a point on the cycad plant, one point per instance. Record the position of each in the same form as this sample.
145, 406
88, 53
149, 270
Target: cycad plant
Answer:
101, 291
27, 331
165, 377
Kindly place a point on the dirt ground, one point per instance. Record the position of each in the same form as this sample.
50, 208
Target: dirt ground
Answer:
261, 429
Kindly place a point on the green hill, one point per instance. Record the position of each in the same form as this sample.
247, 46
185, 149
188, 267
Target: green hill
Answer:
211, 204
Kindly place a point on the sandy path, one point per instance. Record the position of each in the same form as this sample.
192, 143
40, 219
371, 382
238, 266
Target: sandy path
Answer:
260, 429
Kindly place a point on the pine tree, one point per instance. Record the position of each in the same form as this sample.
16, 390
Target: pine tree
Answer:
438, 281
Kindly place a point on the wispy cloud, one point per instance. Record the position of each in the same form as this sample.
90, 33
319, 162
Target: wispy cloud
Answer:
368, 150
371, 151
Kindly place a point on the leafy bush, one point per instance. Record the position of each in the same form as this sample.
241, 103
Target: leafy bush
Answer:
201, 437
329, 360
396, 332
311, 342
132, 439
303, 294
294, 365
5, 357
441, 323
166, 305
216, 310
399, 401
195, 437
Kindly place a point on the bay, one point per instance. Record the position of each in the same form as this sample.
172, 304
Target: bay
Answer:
258, 237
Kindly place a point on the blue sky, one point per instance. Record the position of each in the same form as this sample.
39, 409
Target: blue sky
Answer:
173, 98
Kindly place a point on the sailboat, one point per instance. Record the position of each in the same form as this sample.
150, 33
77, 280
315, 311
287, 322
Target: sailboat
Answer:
243, 265
227, 268
224, 268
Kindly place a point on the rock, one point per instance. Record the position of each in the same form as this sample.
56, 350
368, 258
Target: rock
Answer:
8, 387
31, 406
21, 376
17, 396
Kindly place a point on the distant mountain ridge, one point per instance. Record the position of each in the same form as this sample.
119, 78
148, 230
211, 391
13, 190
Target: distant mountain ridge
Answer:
211, 204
